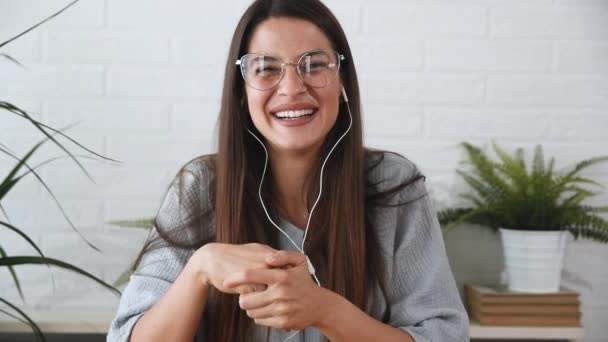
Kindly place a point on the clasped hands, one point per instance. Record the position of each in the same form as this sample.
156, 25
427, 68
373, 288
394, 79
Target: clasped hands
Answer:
274, 287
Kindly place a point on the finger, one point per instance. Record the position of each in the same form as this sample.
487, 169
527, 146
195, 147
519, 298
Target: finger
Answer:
260, 246
255, 300
241, 289
259, 287
256, 276
258, 251
252, 254
285, 258
274, 309
245, 289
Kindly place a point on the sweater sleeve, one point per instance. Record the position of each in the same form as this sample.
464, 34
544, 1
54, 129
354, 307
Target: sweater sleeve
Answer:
151, 280
423, 296
160, 266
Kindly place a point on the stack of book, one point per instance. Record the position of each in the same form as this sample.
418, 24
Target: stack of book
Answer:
498, 306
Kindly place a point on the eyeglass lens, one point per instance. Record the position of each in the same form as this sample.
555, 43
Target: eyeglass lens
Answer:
316, 69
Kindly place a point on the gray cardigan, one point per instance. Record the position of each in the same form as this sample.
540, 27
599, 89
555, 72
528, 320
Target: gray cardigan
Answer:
422, 293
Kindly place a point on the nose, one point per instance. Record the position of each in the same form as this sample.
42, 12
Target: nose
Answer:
291, 83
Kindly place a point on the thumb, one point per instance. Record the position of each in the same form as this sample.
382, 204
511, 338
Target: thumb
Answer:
285, 258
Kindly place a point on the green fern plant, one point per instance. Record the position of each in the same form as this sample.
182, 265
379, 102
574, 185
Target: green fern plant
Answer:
508, 194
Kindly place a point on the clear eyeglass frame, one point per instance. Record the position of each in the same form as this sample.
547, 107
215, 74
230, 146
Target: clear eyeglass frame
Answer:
241, 62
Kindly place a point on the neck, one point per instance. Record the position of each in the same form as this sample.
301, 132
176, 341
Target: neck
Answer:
289, 175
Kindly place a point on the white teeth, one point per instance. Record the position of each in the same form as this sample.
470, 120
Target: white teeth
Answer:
294, 113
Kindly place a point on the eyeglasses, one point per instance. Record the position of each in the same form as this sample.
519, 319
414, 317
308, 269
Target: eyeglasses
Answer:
315, 68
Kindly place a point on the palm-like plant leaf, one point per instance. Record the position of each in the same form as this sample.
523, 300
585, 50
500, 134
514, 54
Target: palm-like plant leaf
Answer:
11, 59
17, 318
145, 223
123, 278
39, 23
12, 179
43, 128
13, 274
4, 213
33, 244
29, 260
23, 235
37, 332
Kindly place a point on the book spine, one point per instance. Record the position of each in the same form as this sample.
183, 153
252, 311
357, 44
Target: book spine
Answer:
516, 309
509, 320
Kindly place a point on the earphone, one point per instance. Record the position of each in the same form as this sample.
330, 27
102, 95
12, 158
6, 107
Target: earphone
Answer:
345, 98
311, 268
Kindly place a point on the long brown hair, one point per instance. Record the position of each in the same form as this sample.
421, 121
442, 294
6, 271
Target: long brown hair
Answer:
341, 242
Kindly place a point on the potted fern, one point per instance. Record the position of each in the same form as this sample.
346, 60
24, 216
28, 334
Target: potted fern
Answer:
534, 208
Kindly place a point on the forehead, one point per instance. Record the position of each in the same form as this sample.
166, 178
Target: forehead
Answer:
287, 38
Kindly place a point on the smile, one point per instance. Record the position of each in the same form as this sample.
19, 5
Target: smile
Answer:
294, 114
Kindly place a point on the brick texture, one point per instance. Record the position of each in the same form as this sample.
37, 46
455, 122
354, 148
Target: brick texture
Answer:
143, 81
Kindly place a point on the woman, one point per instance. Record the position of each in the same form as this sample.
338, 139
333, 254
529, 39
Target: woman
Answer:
293, 231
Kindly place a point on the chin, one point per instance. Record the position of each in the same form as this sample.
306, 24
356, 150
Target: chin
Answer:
296, 146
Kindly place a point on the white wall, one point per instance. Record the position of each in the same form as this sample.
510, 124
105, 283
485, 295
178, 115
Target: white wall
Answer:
143, 78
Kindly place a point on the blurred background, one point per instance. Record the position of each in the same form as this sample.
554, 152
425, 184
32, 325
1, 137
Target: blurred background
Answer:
142, 81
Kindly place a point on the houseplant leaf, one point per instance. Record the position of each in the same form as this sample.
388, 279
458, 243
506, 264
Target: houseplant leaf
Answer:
29, 260
505, 193
12, 179
13, 274
36, 329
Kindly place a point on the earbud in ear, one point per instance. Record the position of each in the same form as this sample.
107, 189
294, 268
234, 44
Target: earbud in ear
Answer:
344, 94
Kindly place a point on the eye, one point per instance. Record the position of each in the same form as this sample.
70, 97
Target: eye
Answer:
316, 61
313, 67
318, 64
266, 70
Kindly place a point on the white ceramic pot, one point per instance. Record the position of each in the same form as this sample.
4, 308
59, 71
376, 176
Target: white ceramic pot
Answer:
533, 259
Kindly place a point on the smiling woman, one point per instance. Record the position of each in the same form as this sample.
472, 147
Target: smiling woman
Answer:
311, 85
340, 242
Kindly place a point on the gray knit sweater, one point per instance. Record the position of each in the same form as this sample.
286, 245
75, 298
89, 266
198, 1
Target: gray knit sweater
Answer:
422, 294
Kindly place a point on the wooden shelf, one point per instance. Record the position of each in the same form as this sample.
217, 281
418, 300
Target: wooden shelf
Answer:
97, 321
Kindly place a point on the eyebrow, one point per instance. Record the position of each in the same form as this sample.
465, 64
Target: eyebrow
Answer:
318, 50
264, 56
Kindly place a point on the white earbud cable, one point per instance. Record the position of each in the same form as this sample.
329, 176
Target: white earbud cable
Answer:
301, 249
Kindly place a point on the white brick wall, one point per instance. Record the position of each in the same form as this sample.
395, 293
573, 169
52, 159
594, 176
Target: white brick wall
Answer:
143, 79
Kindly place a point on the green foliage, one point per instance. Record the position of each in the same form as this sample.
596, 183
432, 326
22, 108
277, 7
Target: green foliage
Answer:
21, 170
506, 193
145, 223
142, 223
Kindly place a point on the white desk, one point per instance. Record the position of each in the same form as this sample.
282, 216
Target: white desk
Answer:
572, 334
72, 320
97, 321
